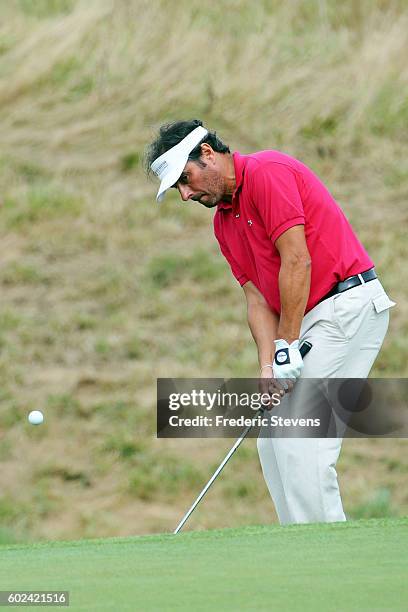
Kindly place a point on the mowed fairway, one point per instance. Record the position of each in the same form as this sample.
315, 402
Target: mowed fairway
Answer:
360, 565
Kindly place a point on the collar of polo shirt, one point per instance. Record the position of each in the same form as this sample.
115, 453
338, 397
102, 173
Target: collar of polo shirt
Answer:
169, 166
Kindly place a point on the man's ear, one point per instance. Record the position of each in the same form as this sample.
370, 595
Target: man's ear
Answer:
207, 153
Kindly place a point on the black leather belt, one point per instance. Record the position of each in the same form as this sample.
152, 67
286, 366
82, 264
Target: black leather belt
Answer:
349, 283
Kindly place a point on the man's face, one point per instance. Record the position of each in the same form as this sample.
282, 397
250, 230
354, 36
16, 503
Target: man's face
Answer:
202, 183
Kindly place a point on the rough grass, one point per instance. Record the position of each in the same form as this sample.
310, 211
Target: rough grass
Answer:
103, 291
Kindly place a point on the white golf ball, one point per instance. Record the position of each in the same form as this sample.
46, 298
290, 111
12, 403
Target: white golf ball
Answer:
36, 417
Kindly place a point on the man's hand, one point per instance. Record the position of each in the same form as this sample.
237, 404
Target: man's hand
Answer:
288, 362
270, 386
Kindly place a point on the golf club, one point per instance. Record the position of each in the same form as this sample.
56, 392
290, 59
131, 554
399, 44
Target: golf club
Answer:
304, 349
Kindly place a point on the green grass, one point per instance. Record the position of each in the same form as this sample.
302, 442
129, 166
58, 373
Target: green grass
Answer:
39, 203
354, 566
45, 8
379, 505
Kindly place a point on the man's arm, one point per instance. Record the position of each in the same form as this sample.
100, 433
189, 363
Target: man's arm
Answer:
294, 281
263, 323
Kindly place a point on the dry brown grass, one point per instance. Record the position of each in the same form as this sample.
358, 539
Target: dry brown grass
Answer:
84, 332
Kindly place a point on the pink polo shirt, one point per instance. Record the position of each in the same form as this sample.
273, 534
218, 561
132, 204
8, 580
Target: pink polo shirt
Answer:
275, 192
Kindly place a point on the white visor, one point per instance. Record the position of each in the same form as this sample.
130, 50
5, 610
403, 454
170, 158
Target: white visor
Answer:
169, 166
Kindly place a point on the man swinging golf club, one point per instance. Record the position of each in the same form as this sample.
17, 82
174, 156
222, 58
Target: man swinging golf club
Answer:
305, 276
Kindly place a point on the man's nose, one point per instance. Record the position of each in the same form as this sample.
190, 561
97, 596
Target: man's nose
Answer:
185, 192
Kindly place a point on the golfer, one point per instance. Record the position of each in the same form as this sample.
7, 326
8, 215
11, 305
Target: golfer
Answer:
305, 276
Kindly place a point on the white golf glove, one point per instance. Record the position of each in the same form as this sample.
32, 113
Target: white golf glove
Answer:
288, 362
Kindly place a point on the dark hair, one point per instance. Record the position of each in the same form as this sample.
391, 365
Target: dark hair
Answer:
171, 134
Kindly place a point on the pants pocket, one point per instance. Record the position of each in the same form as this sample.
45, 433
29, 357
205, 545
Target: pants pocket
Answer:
352, 307
382, 302
348, 312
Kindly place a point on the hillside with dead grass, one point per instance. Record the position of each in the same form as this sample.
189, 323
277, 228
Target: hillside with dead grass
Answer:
102, 291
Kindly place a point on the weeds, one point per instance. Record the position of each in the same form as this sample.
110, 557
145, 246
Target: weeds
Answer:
103, 290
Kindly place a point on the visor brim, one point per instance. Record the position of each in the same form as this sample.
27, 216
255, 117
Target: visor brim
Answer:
172, 177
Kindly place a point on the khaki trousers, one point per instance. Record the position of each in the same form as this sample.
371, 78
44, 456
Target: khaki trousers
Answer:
346, 331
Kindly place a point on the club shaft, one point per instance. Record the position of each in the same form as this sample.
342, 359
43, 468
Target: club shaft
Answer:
304, 349
213, 477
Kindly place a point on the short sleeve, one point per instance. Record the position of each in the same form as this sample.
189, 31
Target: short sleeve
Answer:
235, 269
276, 195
